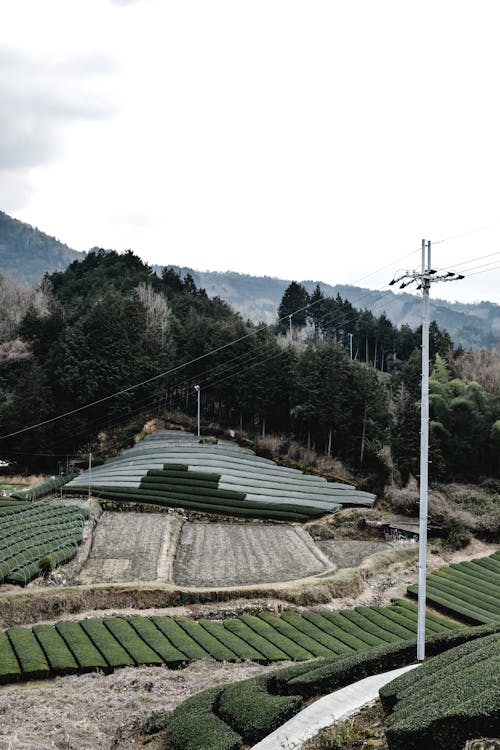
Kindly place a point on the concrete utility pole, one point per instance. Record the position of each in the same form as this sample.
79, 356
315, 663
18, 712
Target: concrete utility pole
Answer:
350, 344
290, 325
197, 389
90, 472
424, 278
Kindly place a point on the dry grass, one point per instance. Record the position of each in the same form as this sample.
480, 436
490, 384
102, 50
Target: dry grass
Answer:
103, 712
454, 508
361, 731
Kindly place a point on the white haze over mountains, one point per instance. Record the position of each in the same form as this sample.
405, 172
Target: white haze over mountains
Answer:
280, 137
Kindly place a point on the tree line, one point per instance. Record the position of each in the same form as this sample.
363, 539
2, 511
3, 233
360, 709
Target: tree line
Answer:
344, 381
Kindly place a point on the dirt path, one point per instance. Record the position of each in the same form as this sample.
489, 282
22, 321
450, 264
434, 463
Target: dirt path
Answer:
103, 712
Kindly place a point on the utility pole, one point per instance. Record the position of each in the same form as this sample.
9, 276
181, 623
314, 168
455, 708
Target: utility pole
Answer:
290, 325
197, 389
424, 278
350, 344
90, 472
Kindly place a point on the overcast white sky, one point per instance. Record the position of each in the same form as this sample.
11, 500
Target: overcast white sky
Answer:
306, 139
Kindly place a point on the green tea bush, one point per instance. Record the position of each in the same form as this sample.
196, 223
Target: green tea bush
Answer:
113, 652
80, 645
195, 726
266, 631
208, 642
252, 711
151, 635
268, 650
127, 637
179, 638
57, 653
451, 698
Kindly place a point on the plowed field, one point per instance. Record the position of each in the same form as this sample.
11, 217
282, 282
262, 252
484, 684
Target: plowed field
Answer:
239, 554
129, 547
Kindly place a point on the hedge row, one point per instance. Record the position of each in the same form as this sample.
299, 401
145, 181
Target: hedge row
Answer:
115, 642
470, 590
45, 488
31, 532
225, 507
451, 698
253, 708
195, 725
219, 478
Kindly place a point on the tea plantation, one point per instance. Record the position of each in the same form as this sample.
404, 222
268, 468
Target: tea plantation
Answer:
31, 532
468, 590
113, 642
174, 469
240, 714
449, 699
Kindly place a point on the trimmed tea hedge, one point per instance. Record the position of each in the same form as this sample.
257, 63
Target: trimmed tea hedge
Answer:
469, 590
30, 532
252, 711
180, 471
195, 726
114, 642
449, 699
45, 488
253, 708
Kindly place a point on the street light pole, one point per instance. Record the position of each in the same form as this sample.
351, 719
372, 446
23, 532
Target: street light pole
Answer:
197, 389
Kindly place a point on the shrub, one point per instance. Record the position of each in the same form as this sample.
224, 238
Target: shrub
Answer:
125, 634
57, 653
195, 726
451, 697
252, 711
80, 645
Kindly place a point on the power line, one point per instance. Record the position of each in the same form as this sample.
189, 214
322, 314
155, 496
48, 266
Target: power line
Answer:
154, 377
486, 270
471, 260
468, 231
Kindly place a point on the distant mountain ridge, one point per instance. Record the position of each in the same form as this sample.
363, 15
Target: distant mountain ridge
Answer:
258, 297
29, 253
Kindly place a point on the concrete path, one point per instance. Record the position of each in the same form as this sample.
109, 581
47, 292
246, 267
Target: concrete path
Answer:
327, 710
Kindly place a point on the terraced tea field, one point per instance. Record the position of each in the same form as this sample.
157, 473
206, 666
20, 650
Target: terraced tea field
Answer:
174, 469
31, 532
217, 555
467, 590
113, 642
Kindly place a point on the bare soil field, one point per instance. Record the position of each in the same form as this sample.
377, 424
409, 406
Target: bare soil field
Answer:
349, 553
103, 712
239, 554
130, 547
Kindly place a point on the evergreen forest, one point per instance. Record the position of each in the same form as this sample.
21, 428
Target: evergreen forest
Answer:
332, 377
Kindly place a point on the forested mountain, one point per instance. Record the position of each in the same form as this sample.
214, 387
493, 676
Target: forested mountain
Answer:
108, 339
257, 298
28, 253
